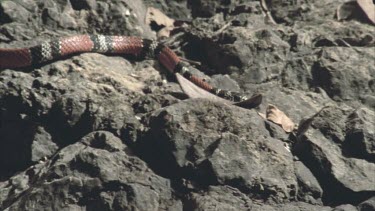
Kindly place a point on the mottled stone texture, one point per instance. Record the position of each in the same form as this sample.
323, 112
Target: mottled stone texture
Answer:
114, 132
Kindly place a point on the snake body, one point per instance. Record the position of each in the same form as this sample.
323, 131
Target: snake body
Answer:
62, 47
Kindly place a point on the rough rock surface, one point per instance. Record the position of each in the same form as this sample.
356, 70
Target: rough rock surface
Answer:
113, 132
209, 141
97, 173
346, 178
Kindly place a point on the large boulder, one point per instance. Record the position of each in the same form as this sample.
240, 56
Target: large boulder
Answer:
97, 173
217, 144
343, 177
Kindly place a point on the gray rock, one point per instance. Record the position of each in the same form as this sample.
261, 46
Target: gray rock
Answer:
295, 104
224, 145
297, 73
219, 198
21, 11
293, 206
310, 189
244, 54
301, 206
209, 8
331, 121
42, 145
178, 10
290, 13
96, 173
57, 18
345, 207
227, 198
360, 134
65, 106
345, 74
367, 205
17, 185
338, 174
225, 82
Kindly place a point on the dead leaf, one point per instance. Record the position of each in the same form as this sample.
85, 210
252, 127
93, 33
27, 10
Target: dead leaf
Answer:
368, 8
193, 91
277, 116
154, 15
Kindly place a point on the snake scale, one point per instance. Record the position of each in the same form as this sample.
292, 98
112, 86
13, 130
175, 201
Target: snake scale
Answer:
65, 46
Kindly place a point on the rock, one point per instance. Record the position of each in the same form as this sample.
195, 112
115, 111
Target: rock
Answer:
225, 82
360, 134
325, 149
300, 206
345, 207
344, 74
310, 189
293, 206
227, 198
17, 11
243, 54
66, 105
295, 104
297, 73
177, 10
219, 198
59, 17
15, 186
209, 8
149, 103
340, 176
42, 145
97, 173
305, 12
189, 140
367, 205
331, 122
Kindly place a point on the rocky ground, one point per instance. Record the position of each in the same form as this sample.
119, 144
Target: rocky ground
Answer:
99, 132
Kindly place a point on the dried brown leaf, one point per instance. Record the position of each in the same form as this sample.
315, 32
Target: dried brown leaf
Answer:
275, 115
160, 19
368, 8
194, 91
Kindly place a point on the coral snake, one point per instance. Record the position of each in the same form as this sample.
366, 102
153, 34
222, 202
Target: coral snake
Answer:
58, 48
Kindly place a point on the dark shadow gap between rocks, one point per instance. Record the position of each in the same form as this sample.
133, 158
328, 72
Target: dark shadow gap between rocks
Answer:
4, 18
352, 147
65, 134
16, 137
